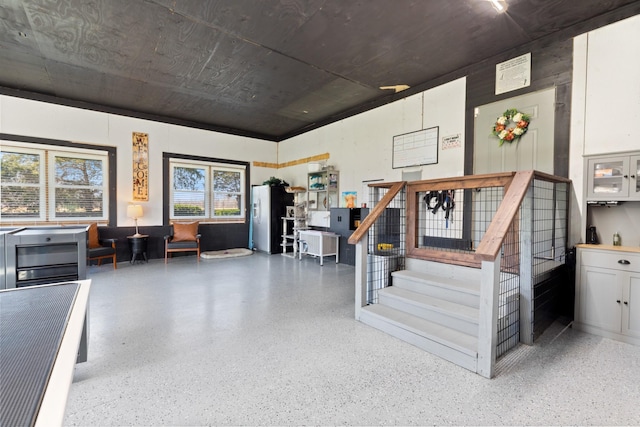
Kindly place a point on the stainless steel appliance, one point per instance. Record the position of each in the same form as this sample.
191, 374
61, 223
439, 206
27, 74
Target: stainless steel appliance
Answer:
269, 206
3, 256
40, 255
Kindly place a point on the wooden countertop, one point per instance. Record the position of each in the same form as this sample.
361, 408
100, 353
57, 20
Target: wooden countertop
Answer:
635, 249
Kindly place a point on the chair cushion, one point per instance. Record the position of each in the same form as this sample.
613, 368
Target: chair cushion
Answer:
94, 240
100, 251
185, 232
182, 245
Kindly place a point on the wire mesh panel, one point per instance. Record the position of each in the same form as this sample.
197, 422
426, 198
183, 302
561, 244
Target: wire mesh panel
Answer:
456, 220
386, 252
550, 287
509, 293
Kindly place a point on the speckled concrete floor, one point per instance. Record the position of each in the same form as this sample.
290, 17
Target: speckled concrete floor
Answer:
268, 340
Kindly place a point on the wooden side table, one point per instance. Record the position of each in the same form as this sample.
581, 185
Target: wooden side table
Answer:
138, 246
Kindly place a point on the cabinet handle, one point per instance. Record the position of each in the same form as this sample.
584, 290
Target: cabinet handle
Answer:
623, 262
618, 301
626, 303
626, 176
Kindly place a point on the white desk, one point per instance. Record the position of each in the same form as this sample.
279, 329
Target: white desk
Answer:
319, 243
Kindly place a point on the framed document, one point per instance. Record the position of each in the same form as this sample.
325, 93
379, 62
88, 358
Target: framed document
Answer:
140, 166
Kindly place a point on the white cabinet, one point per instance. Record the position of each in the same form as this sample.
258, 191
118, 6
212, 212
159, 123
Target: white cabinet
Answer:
607, 286
611, 178
322, 193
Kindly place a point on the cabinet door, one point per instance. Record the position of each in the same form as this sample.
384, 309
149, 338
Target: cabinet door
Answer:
631, 312
607, 178
634, 177
600, 298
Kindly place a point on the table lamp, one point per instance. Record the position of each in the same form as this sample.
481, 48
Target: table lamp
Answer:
135, 212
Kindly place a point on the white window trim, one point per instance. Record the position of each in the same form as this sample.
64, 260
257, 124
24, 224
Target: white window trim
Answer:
53, 186
47, 156
209, 192
41, 184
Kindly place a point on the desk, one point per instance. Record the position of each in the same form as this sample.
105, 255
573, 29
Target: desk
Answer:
319, 243
138, 246
41, 333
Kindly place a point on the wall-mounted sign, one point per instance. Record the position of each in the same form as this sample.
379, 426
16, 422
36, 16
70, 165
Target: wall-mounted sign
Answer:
140, 166
451, 141
513, 74
415, 148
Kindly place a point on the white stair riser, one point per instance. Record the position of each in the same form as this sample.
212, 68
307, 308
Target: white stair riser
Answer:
461, 359
443, 270
447, 294
439, 316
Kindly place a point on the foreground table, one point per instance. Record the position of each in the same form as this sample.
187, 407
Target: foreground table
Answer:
40, 332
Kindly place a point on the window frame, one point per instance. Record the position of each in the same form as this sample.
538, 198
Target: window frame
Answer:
10, 148
171, 160
53, 186
48, 149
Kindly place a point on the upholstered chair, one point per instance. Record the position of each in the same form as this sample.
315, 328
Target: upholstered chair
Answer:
99, 249
184, 237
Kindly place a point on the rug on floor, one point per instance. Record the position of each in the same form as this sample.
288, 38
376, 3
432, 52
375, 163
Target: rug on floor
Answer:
227, 253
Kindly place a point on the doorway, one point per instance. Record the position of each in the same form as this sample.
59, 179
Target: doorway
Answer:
534, 150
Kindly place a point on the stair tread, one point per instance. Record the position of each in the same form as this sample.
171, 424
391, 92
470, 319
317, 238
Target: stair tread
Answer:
469, 286
455, 309
450, 337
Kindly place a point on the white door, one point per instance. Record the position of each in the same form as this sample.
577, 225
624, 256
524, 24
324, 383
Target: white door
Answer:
600, 298
534, 150
631, 317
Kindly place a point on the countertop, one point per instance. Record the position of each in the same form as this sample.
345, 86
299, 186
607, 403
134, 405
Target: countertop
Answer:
635, 249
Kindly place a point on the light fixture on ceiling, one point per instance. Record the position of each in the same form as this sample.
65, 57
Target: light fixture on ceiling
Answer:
397, 88
499, 6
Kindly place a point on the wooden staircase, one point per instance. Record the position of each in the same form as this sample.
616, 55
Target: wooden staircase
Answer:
433, 306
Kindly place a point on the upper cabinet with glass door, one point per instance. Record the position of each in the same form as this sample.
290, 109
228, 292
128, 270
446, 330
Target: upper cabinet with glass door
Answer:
613, 178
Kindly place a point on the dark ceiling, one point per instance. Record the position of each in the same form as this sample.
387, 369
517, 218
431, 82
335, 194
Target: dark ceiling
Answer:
264, 68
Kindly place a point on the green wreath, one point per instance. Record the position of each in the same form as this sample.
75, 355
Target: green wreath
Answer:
502, 127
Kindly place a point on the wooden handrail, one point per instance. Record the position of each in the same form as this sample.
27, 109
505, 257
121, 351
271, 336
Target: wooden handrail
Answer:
375, 213
490, 245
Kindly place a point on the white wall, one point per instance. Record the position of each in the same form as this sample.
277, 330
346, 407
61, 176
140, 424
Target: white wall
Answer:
605, 104
32, 118
360, 147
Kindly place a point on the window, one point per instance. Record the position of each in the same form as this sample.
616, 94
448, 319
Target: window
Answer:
206, 190
40, 184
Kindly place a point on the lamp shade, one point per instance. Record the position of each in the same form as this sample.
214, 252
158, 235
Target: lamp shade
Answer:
134, 211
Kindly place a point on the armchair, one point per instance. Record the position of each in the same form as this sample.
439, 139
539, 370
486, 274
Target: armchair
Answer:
99, 249
183, 238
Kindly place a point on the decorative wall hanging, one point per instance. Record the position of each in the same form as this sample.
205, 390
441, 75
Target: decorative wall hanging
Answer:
504, 132
140, 166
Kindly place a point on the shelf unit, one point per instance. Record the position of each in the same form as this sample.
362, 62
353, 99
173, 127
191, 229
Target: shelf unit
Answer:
294, 221
323, 190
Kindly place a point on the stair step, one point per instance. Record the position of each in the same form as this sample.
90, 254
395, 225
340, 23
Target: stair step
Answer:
451, 314
438, 336
465, 292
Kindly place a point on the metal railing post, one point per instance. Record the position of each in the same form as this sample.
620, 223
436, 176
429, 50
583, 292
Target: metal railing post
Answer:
488, 317
361, 273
